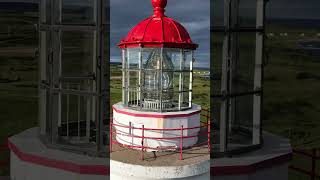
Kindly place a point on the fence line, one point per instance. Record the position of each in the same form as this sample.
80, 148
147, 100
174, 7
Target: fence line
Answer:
314, 157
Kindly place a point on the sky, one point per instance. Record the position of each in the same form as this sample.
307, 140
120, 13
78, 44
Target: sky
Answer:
194, 15
302, 9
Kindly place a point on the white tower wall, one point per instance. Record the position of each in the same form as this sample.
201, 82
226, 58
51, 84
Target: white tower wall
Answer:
169, 120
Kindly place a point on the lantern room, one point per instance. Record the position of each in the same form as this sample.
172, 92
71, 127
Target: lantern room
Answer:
73, 88
157, 64
157, 68
70, 141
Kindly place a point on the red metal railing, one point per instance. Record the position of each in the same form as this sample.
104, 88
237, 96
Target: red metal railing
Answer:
181, 137
314, 157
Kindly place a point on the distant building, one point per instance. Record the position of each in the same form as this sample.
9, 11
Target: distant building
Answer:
283, 34
270, 34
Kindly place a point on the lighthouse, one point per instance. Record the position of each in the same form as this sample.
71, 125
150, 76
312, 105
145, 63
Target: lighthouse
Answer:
156, 113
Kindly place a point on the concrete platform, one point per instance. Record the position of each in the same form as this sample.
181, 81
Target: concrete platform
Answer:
125, 164
32, 160
4, 178
269, 162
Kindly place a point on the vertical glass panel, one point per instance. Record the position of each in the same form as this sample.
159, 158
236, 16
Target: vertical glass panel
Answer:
78, 53
186, 81
243, 68
76, 118
146, 52
133, 79
188, 59
45, 11
185, 99
174, 55
133, 58
216, 12
175, 87
247, 13
45, 46
216, 63
48, 128
215, 127
78, 12
240, 127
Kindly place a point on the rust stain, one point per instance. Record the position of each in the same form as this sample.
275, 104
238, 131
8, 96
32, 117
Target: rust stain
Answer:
160, 123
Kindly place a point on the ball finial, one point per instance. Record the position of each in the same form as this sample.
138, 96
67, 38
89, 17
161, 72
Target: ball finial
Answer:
158, 7
159, 3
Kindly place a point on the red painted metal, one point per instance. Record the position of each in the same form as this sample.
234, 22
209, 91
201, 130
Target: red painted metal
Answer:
64, 165
158, 31
181, 142
158, 138
142, 139
209, 135
159, 129
110, 144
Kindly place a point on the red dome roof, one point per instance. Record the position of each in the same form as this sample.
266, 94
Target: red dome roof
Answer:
158, 31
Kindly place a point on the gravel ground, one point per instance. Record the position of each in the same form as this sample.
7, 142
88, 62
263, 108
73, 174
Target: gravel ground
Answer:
190, 156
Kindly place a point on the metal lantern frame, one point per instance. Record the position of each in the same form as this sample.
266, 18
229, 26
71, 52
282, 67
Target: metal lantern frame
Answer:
73, 101
134, 70
231, 103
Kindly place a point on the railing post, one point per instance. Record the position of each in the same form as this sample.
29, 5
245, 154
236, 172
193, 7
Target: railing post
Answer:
110, 135
209, 137
313, 171
181, 142
142, 139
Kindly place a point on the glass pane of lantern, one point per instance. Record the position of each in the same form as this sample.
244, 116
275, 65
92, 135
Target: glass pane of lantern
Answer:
186, 99
78, 12
77, 53
175, 100
247, 13
176, 80
151, 84
243, 75
76, 118
133, 79
45, 46
175, 56
217, 10
45, 11
216, 63
47, 119
215, 84
215, 111
145, 55
240, 133
186, 81
133, 58
188, 59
